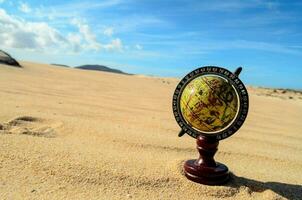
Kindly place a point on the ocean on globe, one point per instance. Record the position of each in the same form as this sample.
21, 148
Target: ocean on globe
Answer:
209, 103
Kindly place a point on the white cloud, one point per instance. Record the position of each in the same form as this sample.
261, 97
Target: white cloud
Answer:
232, 5
86, 33
115, 44
89, 40
108, 31
76, 42
70, 9
24, 7
40, 36
209, 46
138, 47
264, 46
17, 33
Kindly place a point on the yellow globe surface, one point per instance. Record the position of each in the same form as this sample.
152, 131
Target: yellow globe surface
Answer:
209, 103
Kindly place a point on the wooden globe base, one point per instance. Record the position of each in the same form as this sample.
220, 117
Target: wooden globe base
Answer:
205, 170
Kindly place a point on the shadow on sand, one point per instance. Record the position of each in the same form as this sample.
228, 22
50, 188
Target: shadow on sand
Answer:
288, 191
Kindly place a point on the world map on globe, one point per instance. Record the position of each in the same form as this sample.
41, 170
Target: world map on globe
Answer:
209, 103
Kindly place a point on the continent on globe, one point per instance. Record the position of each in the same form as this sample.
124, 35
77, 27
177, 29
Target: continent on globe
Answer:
209, 103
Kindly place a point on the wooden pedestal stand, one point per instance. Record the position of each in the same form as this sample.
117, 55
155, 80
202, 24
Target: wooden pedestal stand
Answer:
205, 170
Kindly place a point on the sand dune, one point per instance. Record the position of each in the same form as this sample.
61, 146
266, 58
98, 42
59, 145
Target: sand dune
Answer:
73, 134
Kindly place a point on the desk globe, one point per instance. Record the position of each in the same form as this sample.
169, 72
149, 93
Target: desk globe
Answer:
210, 104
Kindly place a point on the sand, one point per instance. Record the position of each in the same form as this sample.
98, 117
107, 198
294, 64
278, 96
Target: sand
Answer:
75, 134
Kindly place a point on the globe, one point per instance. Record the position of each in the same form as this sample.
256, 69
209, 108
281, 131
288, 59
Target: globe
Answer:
209, 103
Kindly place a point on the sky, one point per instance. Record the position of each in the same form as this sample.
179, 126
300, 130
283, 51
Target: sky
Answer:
161, 38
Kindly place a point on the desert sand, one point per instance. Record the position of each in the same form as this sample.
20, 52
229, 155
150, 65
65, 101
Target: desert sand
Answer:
75, 134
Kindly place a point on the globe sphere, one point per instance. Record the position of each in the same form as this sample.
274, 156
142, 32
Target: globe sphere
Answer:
209, 104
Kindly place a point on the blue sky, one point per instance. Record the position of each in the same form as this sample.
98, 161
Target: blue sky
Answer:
161, 38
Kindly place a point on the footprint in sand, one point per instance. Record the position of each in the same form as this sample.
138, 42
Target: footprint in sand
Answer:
27, 125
